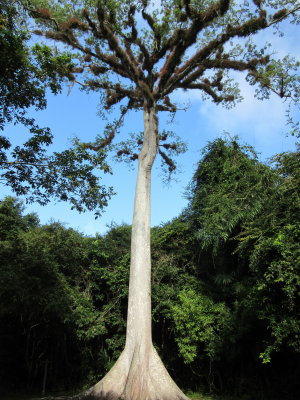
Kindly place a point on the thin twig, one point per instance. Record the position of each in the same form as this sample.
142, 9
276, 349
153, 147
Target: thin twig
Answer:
284, 15
22, 163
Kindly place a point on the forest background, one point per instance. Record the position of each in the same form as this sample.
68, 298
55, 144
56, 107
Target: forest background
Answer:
225, 287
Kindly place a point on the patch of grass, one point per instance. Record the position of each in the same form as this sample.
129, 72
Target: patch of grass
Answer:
200, 396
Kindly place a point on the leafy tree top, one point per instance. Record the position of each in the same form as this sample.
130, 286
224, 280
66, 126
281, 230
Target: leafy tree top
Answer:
230, 186
26, 72
143, 51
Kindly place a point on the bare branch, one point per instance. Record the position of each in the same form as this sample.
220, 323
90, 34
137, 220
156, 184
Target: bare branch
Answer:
282, 14
113, 131
197, 60
167, 160
267, 84
160, 53
128, 61
207, 88
23, 163
114, 44
42, 13
188, 38
133, 38
147, 17
161, 107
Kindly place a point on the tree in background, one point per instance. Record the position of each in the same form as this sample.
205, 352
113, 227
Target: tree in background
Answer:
29, 169
271, 242
245, 216
230, 186
52, 310
21, 85
141, 53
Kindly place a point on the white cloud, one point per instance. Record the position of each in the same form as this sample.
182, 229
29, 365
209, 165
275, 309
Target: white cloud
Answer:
263, 121
258, 122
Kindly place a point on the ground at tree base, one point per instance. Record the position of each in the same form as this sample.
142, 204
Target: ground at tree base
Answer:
15, 396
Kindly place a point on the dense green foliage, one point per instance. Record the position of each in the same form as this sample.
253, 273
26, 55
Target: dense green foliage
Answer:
226, 277
27, 163
20, 87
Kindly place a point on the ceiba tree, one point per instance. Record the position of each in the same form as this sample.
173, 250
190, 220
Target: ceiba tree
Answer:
136, 54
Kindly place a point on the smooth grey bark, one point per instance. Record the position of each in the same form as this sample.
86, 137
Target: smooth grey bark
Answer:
139, 373
139, 299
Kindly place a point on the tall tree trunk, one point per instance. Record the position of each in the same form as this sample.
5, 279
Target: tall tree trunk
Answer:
139, 374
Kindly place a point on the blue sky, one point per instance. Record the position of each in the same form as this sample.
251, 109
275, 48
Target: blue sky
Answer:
260, 124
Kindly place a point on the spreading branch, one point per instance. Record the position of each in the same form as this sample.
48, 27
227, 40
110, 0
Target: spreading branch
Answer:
151, 22
196, 61
16, 163
282, 14
167, 160
112, 131
188, 37
207, 88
